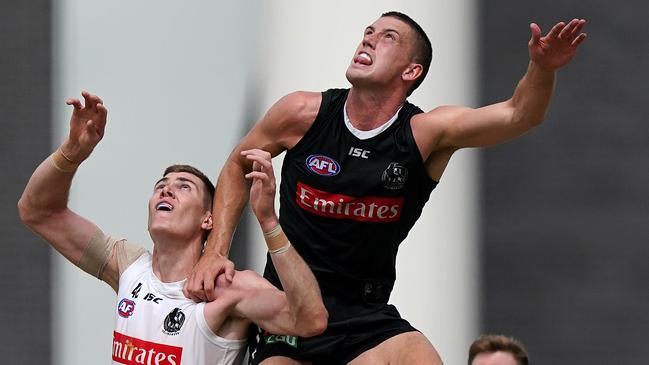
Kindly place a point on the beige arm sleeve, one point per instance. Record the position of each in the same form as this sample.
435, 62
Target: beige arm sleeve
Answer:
104, 251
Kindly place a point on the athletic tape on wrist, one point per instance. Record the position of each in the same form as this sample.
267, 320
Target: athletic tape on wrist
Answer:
276, 239
273, 232
281, 249
62, 163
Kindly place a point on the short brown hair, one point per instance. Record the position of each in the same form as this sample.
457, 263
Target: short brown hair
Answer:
423, 49
493, 343
209, 187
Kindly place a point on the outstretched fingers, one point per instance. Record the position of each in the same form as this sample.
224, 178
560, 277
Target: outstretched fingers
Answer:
576, 36
555, 31
579, 25
567, 30
572, 31
580, 38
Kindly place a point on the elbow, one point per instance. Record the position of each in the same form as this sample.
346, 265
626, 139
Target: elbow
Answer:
313, 324
535, 120
526, 121
25, 212
527, 117
31, 215
320, 320
525, 125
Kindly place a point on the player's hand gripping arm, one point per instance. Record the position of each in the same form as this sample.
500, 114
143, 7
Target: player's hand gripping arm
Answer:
43, 206
299, 309
497, 123
280, 128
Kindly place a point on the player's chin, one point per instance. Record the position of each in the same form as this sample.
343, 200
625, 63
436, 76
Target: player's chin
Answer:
357, 76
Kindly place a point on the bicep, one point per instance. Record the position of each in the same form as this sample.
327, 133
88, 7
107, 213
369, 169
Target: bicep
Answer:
73, 236
68, 232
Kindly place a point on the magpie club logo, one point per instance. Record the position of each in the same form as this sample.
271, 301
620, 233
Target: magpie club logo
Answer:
174, 322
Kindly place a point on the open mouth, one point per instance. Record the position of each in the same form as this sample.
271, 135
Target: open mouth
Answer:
164, 206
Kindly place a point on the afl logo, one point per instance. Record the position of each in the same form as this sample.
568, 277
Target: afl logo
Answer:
323, 165
125, 308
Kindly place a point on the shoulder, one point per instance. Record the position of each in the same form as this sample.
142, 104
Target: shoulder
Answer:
430, 127
290, 117
440, 114
437, 120
299, 105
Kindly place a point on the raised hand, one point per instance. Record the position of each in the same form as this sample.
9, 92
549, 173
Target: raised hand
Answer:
87, 126
558, 47
262, 190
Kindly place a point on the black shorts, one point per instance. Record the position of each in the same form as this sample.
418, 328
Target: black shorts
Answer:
343, 340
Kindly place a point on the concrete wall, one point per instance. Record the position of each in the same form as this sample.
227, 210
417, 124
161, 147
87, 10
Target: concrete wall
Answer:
565, 208
24, 115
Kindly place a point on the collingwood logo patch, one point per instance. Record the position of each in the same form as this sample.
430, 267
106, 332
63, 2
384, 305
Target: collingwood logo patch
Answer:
174, 322
395, 176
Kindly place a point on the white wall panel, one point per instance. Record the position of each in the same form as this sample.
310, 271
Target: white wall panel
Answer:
173, 76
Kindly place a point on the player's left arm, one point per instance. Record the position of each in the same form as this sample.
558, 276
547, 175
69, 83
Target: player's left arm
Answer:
298, 310
251, 298
459, 127
277, 311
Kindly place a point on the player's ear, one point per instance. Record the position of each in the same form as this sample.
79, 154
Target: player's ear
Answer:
412, 72
206, 224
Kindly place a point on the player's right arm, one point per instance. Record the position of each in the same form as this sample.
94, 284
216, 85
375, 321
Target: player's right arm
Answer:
43, 206
280, 129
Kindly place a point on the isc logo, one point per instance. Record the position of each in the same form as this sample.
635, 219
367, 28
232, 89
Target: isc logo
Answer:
358, 152
323, 165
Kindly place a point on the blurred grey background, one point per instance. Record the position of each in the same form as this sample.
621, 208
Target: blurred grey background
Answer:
566, 208
557, 220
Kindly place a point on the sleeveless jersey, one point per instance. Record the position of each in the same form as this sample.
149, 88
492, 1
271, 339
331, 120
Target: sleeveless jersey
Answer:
345, 203
156, 324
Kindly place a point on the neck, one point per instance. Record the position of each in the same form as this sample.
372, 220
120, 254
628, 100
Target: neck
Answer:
369, 109
173, 261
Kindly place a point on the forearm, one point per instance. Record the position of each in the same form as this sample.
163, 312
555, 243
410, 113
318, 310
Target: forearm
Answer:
230, 198
532, 96
48, 189
300, 287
